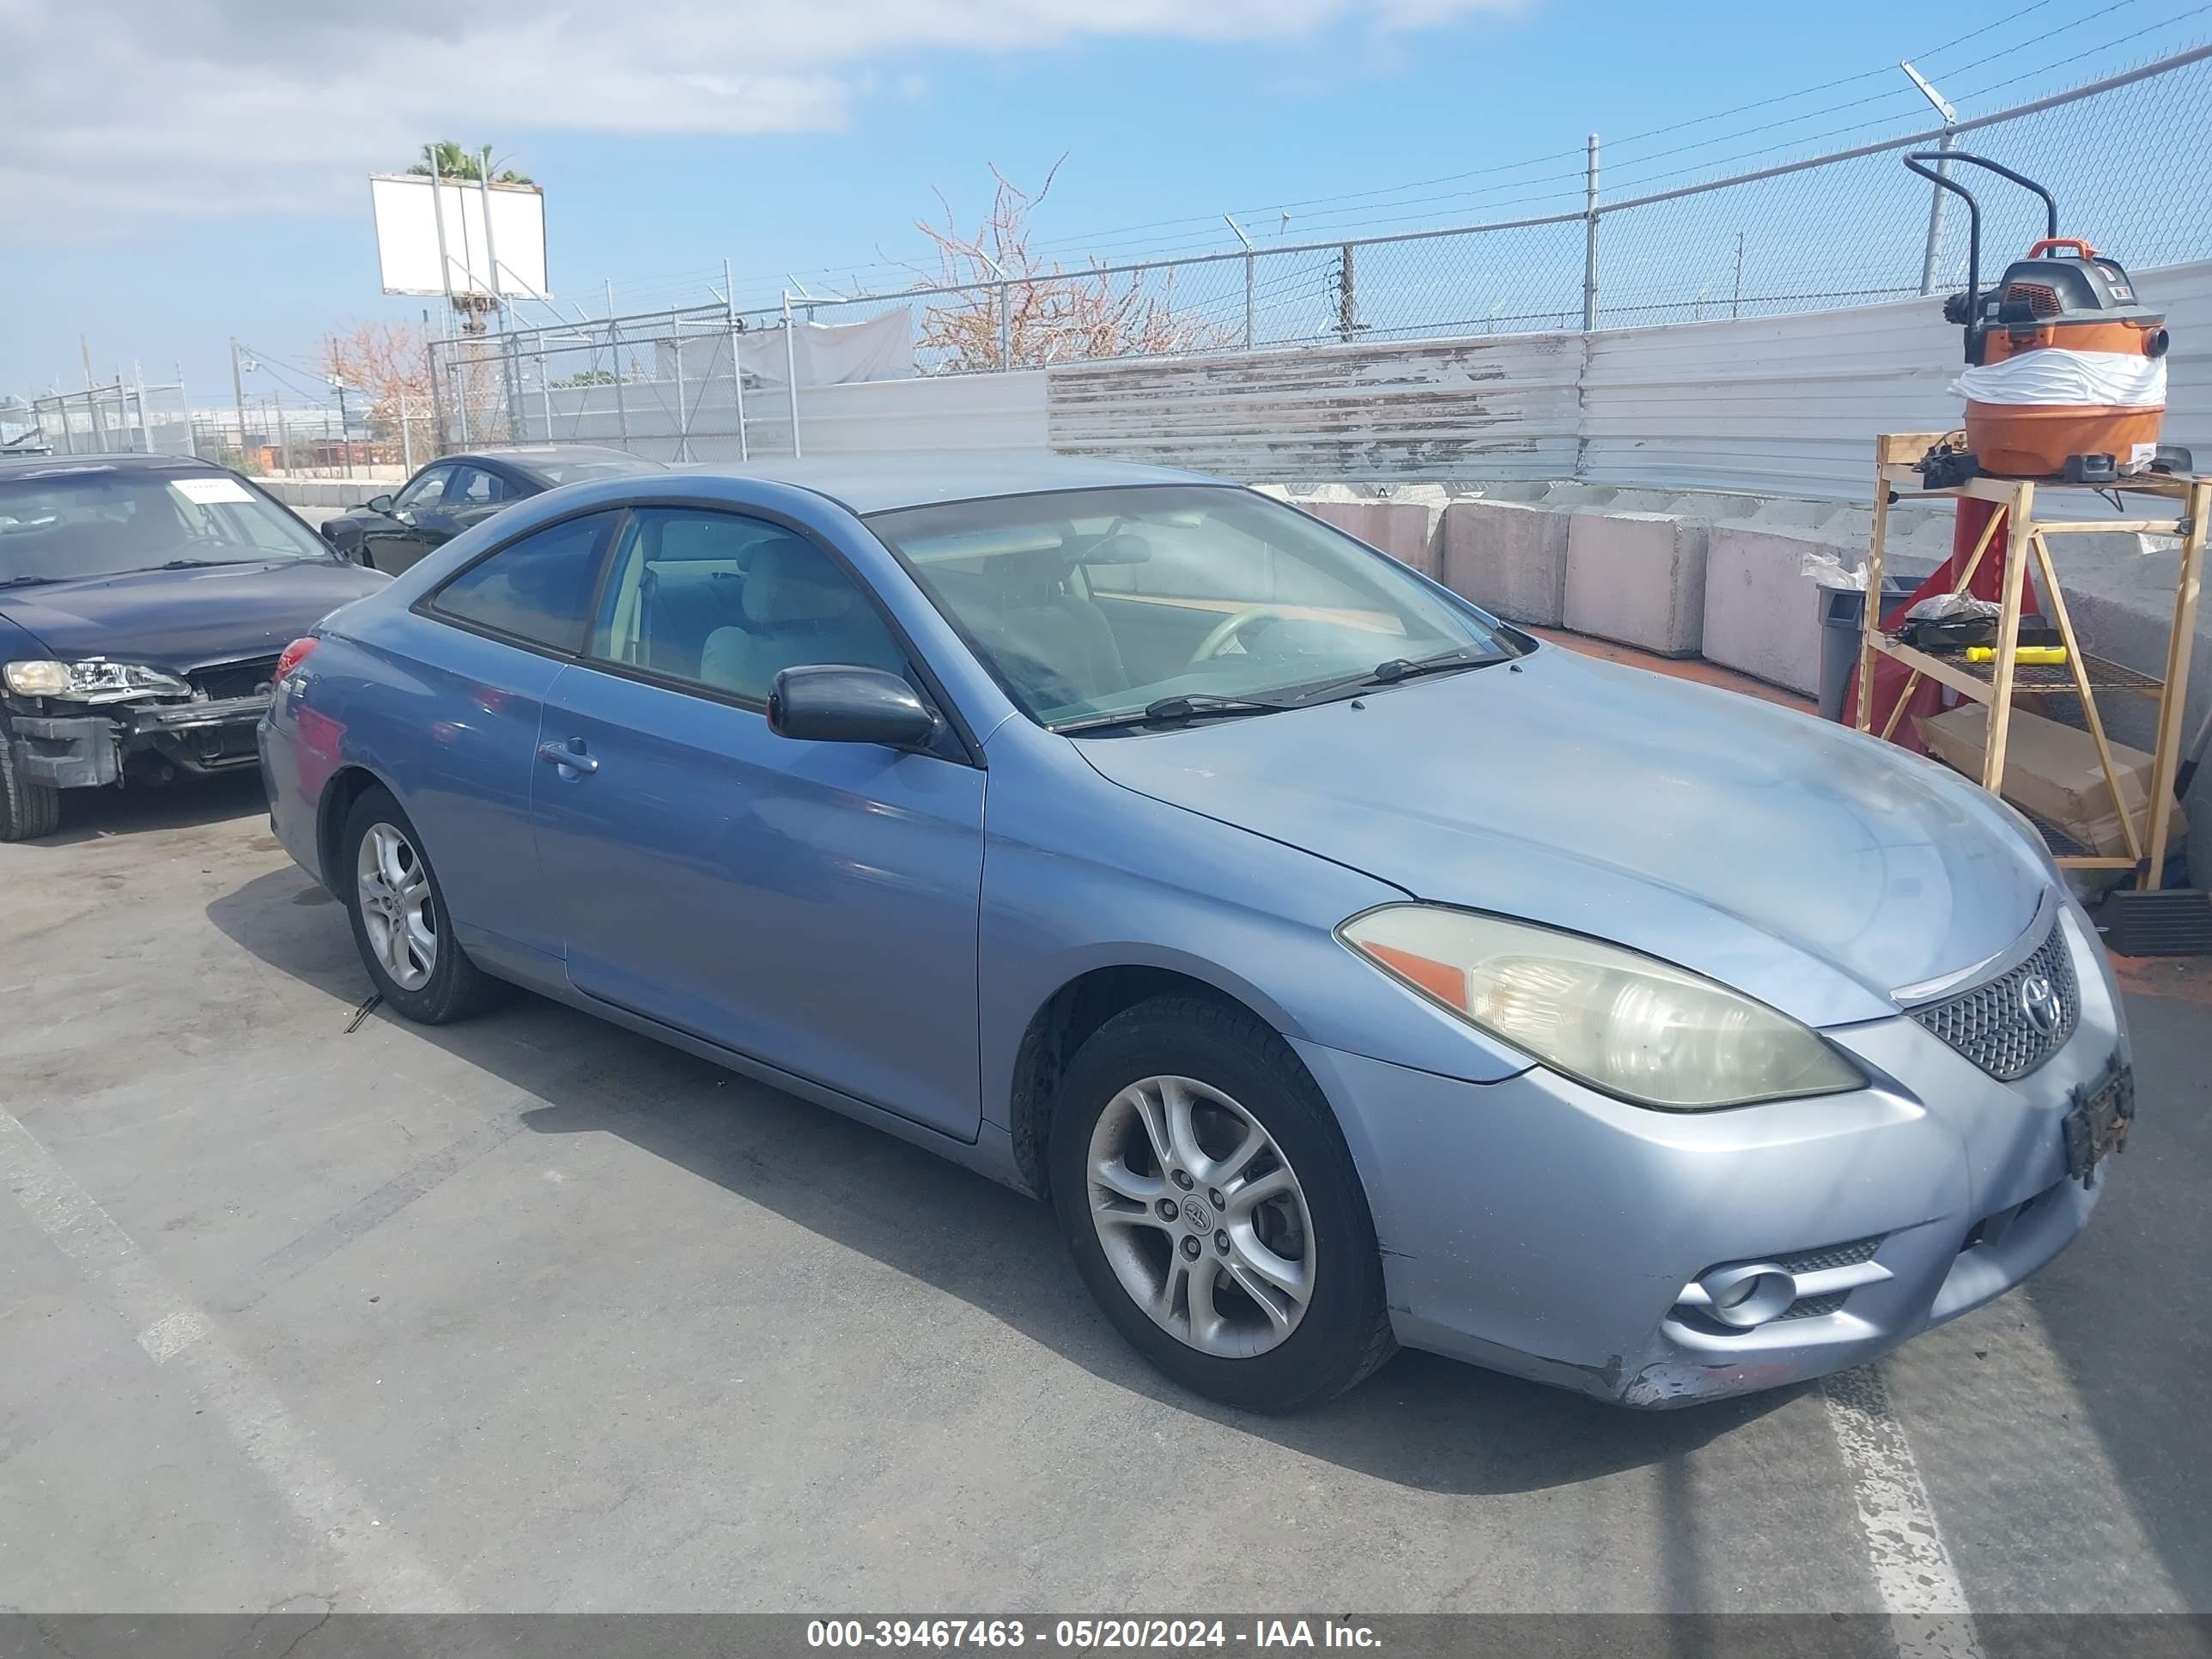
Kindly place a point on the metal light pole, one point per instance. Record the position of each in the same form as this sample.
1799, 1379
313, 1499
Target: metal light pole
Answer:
238, 397
346, 431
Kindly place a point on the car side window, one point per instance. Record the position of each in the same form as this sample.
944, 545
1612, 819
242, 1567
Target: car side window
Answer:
428, 489
472, 486
538, 589
727, 602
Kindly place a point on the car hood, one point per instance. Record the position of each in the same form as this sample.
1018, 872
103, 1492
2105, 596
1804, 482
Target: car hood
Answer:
1694, 824
182, 618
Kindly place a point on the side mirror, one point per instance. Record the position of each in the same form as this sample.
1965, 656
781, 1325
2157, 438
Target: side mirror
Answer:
344, 535
835, 702
378, 503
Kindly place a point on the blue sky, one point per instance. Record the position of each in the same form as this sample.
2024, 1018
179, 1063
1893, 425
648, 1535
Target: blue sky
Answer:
170, 208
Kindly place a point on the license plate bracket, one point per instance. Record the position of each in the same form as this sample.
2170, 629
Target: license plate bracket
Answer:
2096, 1124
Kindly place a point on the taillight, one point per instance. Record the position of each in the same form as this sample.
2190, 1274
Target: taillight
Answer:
294, 653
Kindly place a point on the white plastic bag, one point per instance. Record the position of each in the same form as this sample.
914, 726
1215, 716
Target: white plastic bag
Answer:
1825, 571
2055, 375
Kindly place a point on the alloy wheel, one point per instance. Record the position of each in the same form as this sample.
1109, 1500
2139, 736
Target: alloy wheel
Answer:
1200, 1217
395, 907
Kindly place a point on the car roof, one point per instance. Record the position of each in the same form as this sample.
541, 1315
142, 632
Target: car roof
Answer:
23, 466
881, 483
527, 457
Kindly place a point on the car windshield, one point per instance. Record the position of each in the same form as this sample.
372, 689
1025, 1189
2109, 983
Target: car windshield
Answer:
63, 523
1095, 603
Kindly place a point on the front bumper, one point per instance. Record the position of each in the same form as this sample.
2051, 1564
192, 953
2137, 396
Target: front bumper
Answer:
85, 750
1541, 1228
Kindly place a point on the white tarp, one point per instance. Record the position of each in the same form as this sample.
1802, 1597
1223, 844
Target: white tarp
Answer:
2054, 375
824, 354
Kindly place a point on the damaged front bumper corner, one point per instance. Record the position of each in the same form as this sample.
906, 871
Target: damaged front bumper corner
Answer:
83, 751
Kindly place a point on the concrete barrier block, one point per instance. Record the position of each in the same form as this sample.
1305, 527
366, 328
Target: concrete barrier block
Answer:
1510, 557
1406, 530
1762, 610
1712, 505
1639, 578
1566, 493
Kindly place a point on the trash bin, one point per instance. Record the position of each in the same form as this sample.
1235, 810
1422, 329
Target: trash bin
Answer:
1842, 612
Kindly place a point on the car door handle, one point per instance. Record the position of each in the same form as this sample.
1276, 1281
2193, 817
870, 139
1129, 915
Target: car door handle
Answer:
569, 754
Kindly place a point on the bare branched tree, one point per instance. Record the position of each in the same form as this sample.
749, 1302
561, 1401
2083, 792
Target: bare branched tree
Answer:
386, 362
1053, 315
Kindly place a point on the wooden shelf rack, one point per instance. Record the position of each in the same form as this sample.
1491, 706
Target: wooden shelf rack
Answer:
1998, 682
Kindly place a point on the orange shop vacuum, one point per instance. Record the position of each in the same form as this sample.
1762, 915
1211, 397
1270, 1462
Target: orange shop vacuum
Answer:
2065, 375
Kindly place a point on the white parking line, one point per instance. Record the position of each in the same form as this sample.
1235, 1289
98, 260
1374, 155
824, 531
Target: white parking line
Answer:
385, 1573
1912, 1570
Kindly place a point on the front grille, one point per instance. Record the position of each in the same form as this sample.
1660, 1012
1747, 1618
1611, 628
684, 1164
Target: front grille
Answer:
1990, 1024
1831, 1255
219, 682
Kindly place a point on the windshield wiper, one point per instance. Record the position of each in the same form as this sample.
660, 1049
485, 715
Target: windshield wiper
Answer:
26, 581
1391, 669
1174, 711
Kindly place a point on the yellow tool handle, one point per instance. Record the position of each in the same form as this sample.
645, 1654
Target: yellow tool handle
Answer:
2046, 654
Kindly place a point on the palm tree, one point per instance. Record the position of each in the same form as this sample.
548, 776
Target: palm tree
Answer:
454, 162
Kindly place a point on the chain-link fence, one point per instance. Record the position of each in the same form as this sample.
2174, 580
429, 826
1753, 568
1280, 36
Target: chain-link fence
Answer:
124, 414
262, 436
2123, 154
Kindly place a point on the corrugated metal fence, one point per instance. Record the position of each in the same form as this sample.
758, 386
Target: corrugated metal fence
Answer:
1779, 406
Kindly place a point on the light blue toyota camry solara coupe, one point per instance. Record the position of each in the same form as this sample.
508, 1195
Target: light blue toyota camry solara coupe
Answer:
1347, 968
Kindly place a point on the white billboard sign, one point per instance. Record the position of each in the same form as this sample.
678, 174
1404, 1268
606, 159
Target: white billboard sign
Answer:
413, 218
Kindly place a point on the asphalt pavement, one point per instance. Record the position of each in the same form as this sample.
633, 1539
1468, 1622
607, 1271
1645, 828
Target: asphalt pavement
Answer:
531, 1313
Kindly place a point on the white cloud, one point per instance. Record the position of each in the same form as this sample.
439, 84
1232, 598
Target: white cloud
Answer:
145, 106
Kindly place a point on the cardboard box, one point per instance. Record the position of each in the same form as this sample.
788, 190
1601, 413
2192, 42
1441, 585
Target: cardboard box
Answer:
2051, 772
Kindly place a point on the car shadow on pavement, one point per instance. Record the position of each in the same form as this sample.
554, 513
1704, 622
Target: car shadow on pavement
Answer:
1421, 1422
186, 803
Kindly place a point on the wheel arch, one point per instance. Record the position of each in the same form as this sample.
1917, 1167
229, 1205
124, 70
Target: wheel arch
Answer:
344, 787
1066, 1018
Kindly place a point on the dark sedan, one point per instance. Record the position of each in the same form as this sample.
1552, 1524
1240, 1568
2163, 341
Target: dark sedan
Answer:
455, 492
144, 602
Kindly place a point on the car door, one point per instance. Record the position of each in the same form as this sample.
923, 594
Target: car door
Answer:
393, 541
458, 735
813, 905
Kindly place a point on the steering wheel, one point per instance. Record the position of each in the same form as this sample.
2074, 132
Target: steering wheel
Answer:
1232, 628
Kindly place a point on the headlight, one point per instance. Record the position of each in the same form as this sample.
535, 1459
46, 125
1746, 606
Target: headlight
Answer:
1630, 1024
96, 680
38, 679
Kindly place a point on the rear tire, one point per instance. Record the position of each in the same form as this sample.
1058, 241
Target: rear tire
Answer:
1275, 1306
28, 809
400, 922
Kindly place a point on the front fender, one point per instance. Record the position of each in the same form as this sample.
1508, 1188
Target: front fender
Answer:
1080, 874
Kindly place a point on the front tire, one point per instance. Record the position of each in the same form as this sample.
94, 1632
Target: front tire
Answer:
28, 809
1212, 1209
400, 922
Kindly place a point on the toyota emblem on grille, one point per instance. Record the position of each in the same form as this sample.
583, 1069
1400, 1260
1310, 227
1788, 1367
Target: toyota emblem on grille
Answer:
2038, 1000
